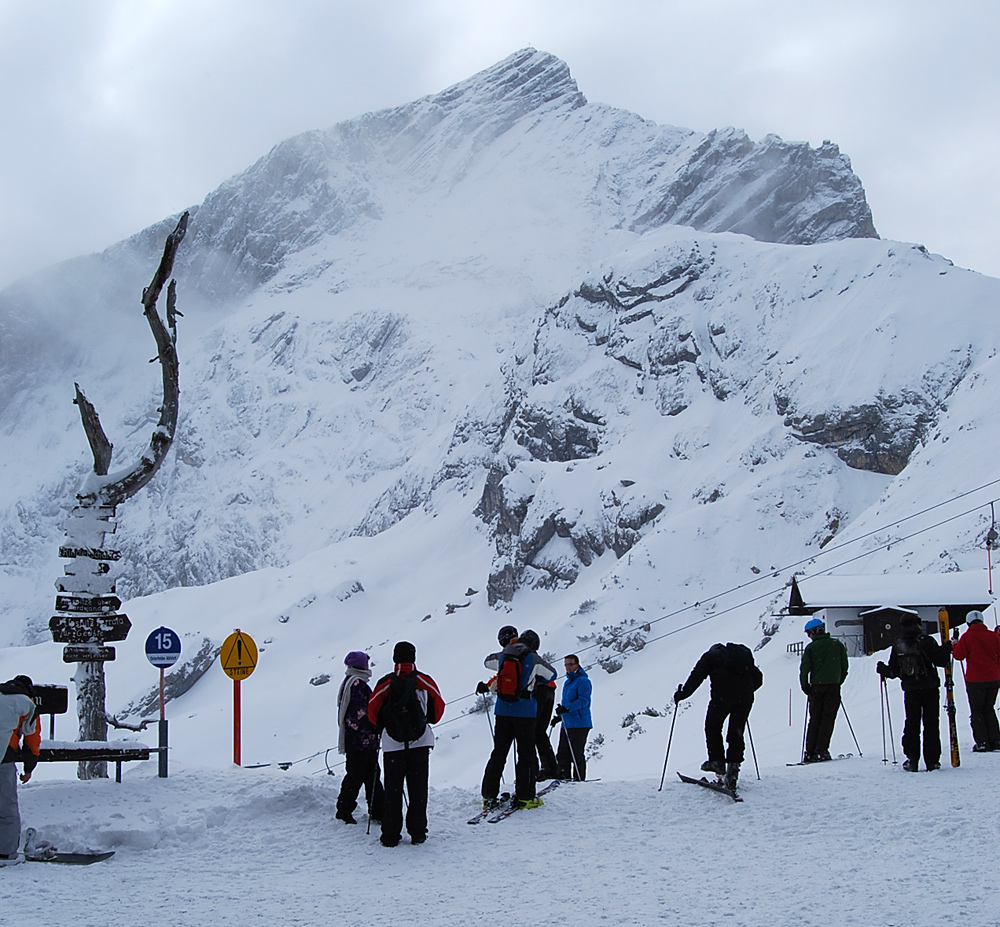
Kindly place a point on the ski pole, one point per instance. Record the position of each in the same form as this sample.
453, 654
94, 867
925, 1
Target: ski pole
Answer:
881, 694
371, 794
489, 721
572, 754
673, 721
805, 722
753, 752
851, 726
888, 714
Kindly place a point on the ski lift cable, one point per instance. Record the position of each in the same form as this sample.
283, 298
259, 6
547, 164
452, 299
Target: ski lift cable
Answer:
778, 590
827, 551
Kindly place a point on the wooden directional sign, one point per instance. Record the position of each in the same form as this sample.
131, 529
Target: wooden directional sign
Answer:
238, 655
79, 629
95, 553
82, 653
88, 604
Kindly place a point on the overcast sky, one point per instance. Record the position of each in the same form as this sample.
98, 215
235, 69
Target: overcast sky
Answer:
116, 113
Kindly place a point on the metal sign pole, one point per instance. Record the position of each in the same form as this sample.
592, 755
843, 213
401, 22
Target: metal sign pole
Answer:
237, 724
163, 730
163, 648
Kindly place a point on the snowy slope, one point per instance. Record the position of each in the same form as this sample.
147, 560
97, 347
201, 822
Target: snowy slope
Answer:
816, 846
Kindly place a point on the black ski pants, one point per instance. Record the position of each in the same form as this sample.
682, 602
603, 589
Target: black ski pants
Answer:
411, 766
738, 712
507, 731
545, 697
362, 771
824, 703
923, 708
572, 758
982, 708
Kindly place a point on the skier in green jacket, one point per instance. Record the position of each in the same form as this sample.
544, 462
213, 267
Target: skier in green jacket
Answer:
821, 673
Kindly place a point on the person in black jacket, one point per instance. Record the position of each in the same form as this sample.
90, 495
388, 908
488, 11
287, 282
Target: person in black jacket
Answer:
735, 678
544, 694
913, 660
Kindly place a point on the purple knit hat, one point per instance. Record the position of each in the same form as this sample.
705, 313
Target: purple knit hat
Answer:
357, 658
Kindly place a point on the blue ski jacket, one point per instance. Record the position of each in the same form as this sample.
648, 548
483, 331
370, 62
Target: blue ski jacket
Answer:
576, 699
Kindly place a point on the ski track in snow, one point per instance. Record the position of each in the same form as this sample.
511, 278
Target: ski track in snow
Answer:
851, 843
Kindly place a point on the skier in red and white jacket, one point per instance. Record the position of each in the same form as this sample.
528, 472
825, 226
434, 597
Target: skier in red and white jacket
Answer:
403, 706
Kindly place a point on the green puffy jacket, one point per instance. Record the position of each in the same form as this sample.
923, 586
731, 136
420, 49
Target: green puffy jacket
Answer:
824, 661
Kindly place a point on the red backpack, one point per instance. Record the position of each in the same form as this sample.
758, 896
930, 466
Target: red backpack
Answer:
510, 685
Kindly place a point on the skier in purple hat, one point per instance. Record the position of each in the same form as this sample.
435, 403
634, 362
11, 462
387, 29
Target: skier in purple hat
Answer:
358, 741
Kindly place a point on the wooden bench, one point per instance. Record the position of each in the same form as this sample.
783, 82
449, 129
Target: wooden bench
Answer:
113, 751
54, 700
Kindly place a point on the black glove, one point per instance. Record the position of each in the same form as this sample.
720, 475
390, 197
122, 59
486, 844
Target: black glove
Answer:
482, 688
881, 669
679, 694
561, 709
806, 688
553, 722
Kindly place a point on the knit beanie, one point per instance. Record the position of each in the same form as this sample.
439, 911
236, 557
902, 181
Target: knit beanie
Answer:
357, 658
404, 652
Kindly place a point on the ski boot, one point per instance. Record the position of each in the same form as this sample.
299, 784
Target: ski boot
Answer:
714, 766
912, 765
732, 776
525, 804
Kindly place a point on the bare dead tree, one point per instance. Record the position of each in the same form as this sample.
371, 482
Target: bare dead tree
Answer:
88, 616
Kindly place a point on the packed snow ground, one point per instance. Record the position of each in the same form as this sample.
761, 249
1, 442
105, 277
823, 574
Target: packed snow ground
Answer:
849, 843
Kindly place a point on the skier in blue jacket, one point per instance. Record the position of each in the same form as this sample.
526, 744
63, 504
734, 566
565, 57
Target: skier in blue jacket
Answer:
514, 720
573, 711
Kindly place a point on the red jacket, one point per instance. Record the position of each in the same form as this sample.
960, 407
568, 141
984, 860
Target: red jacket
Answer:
981, 648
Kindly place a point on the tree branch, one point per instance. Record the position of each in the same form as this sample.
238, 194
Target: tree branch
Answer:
100, 446
165, 336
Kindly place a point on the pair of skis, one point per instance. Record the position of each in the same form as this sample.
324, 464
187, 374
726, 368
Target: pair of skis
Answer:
716, 786
839, 756
949, 685
508, 805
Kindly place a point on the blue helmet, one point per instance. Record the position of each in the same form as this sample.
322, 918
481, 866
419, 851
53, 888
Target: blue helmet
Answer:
813, 623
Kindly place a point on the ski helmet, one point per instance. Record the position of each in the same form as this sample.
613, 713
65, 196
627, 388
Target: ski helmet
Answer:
814, 624
974, 615
530, 640
506, 634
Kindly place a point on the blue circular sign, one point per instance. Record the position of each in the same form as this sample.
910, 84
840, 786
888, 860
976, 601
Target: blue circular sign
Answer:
163, 647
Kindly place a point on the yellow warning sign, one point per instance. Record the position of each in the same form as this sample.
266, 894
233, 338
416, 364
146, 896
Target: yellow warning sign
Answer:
238, 655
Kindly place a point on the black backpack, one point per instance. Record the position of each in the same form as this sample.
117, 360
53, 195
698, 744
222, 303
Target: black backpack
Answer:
738, 661
910, 658
402, 715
